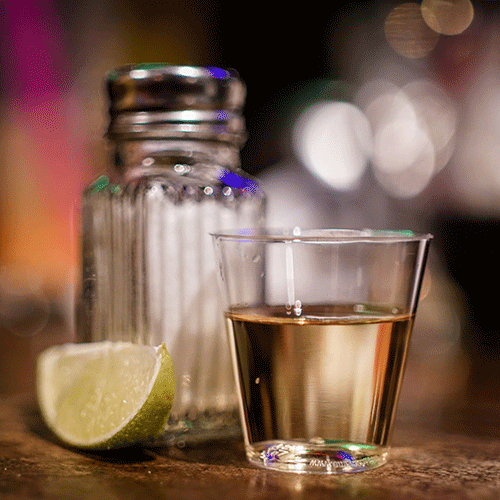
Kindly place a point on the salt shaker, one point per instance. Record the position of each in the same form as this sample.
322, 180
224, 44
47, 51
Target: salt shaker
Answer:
149, 273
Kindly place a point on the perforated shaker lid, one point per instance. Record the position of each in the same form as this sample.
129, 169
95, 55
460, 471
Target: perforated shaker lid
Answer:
143, 87
158, 99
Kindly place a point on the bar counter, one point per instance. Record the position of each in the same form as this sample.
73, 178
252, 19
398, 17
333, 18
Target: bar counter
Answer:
457, 459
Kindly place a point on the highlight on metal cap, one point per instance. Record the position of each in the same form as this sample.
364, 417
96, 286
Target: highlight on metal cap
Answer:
155, 86
157, 100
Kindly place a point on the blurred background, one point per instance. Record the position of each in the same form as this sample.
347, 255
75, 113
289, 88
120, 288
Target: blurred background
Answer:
378, 114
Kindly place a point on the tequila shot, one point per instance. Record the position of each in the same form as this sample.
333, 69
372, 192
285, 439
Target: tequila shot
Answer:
319, 323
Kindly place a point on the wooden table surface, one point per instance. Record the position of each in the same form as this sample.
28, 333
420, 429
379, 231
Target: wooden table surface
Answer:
446, 446
459, 459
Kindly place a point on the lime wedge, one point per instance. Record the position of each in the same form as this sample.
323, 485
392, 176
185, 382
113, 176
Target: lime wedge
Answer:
105, 395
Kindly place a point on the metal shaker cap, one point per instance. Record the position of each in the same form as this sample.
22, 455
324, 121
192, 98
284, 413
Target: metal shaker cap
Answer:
161, 100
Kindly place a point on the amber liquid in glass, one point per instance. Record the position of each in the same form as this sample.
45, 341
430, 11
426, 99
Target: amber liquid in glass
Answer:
326, 383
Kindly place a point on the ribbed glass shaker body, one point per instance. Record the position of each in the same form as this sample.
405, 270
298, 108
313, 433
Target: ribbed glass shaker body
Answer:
149, 273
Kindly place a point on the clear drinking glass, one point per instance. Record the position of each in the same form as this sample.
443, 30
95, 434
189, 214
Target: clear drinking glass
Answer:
319, 325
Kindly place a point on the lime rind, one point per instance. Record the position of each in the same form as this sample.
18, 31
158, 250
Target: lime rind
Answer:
84, 392
150, 420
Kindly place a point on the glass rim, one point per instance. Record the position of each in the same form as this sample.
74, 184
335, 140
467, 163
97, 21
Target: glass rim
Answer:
297, 235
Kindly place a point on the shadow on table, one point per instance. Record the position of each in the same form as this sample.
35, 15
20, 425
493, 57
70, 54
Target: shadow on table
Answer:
223, 452
35, 424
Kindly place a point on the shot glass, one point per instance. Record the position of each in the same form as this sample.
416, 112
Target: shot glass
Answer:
319, 323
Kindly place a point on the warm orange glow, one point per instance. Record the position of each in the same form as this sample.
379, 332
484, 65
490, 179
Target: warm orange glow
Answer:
448, 17
407, 33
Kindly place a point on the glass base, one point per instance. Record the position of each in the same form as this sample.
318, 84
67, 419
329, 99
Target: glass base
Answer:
316, 456
206, 426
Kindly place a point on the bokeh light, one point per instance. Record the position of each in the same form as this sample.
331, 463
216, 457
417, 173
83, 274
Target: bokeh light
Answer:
398, 135
407, 32
407, 134
476, 172
414, 129
448, 17
403, 156
333, 140
438, 114
414, 178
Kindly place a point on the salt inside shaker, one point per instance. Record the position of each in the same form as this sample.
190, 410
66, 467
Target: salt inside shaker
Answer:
149, 274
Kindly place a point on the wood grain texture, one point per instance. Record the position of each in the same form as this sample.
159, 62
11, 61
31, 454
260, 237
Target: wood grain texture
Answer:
425, 463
